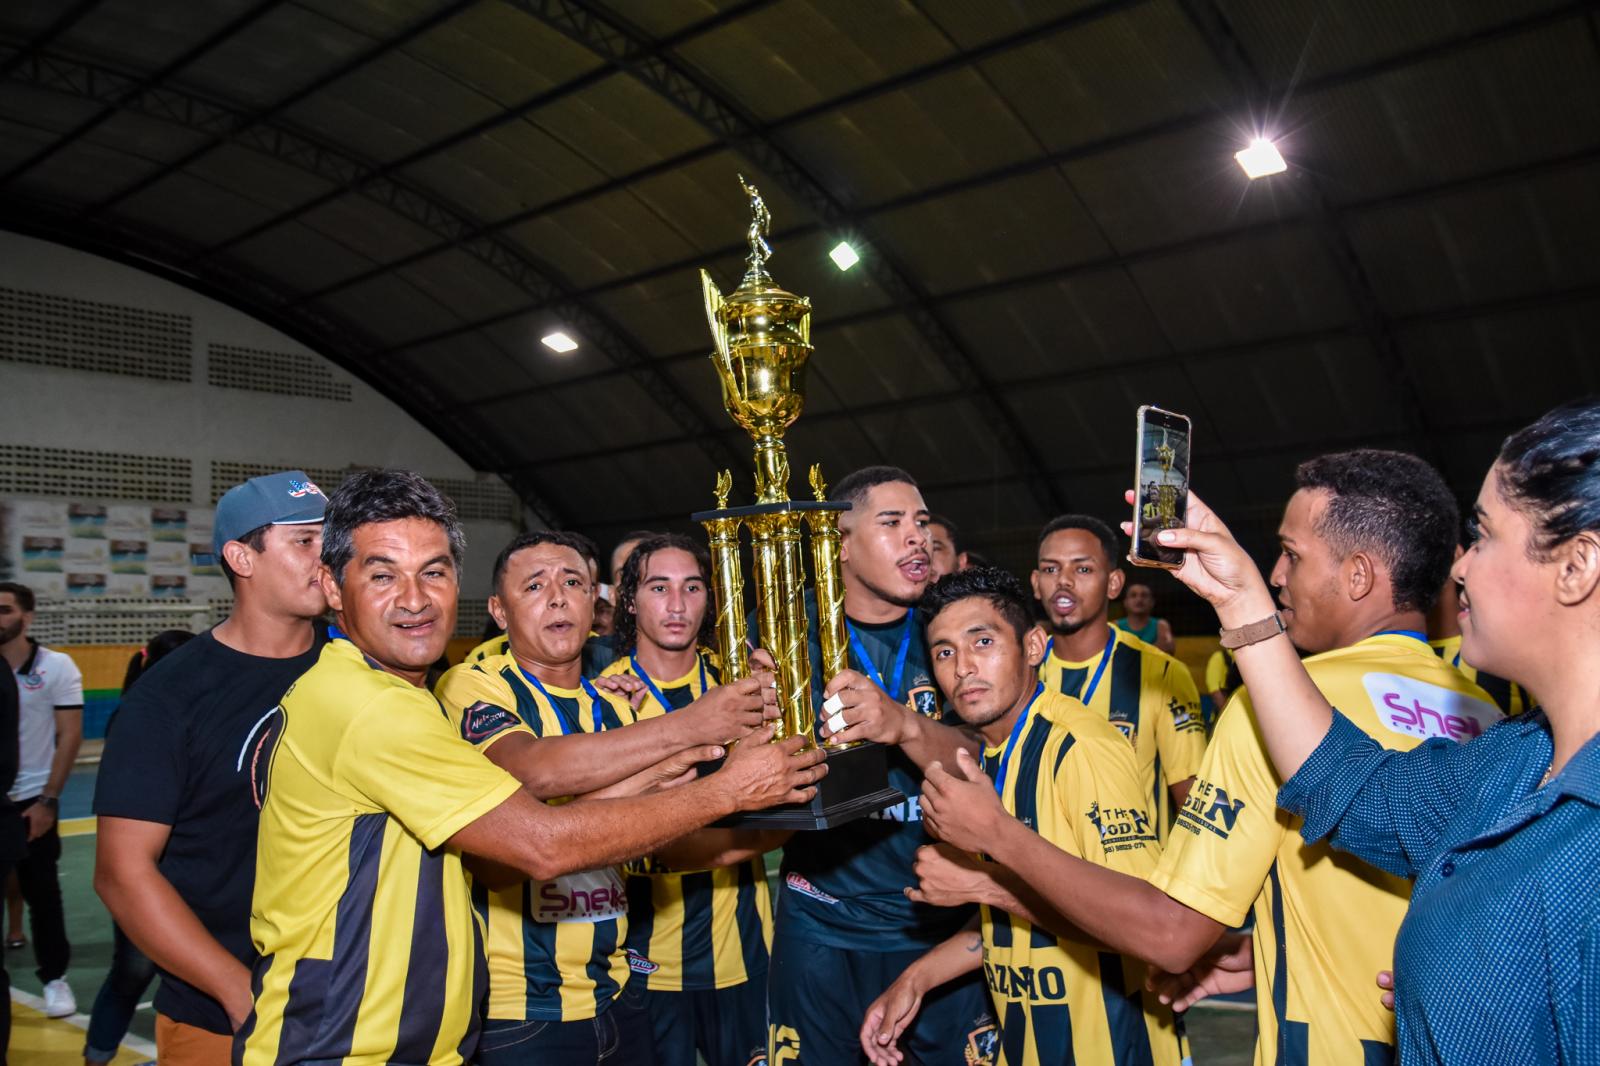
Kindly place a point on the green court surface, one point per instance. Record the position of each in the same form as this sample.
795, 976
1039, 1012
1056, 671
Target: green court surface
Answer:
1220, 1036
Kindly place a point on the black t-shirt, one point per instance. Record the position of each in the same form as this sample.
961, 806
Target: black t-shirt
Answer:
178, 755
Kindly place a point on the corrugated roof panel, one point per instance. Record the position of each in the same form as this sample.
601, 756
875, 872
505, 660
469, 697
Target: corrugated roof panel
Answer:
620, 124
369, 228
277, 183
771, 62
971, 25
510, 168
503, 53
935, 131
466, 284
1245, 289
1063, 326
1310, 40
390, 309
461, 369
193, 208
881, 360
1018, 227
1484, 244
1114, 74
144, 36
302, 257
285, 50
521, 338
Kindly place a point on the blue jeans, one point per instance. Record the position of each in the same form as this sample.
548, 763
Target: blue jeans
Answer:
131, 973
618, 1036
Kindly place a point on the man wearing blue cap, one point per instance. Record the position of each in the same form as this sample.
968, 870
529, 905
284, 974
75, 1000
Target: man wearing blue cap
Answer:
176, 849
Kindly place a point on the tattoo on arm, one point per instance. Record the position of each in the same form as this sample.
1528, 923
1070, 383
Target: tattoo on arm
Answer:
975, 942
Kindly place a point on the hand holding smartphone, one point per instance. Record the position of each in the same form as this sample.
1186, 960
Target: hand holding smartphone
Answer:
1161, 485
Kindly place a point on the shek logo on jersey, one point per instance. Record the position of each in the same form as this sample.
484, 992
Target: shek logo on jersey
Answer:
1209, 809
484, 720
1417, 709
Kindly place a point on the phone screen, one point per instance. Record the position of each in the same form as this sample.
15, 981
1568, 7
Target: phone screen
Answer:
1161, 498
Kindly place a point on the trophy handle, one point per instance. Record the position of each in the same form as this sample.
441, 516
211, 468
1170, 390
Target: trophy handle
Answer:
719, 330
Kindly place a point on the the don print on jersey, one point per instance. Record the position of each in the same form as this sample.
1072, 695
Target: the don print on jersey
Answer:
1324, 922
703, 929
1072, 780
555, 948
1151, 698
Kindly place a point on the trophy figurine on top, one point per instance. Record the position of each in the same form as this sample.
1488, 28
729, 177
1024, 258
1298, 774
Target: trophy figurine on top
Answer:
762, 335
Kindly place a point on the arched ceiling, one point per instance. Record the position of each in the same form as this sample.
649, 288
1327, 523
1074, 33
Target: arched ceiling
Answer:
1052, 227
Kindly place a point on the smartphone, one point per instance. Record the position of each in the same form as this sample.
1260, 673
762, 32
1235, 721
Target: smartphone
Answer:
1161, 479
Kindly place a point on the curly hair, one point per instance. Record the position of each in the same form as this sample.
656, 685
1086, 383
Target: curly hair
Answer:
1394, 505
625, 632
1002, 589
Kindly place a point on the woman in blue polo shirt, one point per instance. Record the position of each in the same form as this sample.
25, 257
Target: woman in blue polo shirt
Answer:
1498, 960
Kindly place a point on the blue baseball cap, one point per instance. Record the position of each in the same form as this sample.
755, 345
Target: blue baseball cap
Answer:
288, 498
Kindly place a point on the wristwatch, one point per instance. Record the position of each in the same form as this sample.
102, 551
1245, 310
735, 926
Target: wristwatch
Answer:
1254, 633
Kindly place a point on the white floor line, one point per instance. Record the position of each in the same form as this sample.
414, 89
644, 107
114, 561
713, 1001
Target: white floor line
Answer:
81, 1021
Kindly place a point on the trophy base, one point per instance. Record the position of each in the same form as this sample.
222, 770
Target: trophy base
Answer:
855, 785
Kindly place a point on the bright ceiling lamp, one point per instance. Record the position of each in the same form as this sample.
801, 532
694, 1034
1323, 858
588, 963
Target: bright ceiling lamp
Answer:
1260, 159
560, 342
844, 257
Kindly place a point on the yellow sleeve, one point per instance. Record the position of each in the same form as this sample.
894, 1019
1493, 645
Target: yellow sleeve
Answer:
480, 705
1227, 836
1216, 670
1180, 728
403, 756
1099, 796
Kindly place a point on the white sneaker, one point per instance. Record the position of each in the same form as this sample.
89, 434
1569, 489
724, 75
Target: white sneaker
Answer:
58, 1000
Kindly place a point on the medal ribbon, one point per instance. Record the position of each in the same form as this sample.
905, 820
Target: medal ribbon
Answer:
899, 660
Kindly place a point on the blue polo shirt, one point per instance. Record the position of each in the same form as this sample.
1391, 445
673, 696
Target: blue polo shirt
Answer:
1498, 959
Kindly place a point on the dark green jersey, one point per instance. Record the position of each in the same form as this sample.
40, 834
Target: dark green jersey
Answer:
844, 886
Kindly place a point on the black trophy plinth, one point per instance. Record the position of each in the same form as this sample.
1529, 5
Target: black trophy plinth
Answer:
853, 786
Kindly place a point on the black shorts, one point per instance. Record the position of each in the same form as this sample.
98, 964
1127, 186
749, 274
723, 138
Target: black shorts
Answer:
817, 998
726, 1026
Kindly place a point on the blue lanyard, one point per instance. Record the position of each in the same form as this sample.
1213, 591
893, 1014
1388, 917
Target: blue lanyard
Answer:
1099, 671
1414, 634
1011, 742
561, 715
899, 659
335, 633
655, 693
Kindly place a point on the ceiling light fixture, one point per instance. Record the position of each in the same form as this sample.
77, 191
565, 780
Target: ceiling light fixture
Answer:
1260, 159
560, 342
844, 257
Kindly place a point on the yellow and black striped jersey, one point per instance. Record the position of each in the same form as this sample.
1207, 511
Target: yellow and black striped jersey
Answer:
555, 948
700, 929
1150, 697
1325, 922
1071, 778
1509, 696
370, 950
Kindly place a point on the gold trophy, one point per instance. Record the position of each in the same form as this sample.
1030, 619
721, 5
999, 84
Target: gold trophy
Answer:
763, 339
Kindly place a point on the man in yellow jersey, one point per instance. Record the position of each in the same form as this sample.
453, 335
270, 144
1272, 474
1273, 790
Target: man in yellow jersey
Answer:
1366, 541
1444, 631
697, 939
557, 962
369, 948
1068, 776
1146, 693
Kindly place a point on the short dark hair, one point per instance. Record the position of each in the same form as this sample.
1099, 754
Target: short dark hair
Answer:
1550, 471
586, 547
255, 540
625, 627
1089, 524
1394, 505
1003, 591
23, 594
949, 527
369, 496
855, 485
532, 539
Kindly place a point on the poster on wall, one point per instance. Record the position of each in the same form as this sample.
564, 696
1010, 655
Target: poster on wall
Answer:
88, 549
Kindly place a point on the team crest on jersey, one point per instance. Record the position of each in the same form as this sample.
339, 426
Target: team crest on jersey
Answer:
484, 720
33, 682
924, 699
1209, 809
1127, 729
639, 964
983, 1045
799, 884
